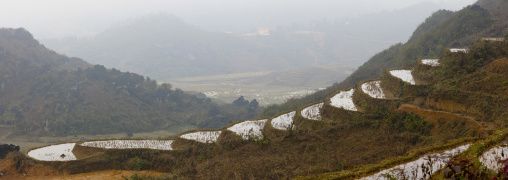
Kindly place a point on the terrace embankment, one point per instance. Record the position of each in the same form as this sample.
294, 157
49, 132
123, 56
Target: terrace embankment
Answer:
17, 166
367, 103
398, 88
499, 66
422, 73
82, 152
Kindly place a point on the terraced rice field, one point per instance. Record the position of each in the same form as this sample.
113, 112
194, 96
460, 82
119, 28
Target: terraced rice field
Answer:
459, 50
312, 112
431, 62
344, 100
59, 152
283, 122
249, 129
202, 136
414, 170
373, 89
131, 144
405, 75
493, 158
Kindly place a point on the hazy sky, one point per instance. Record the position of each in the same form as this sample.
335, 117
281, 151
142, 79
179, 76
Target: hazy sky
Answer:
61, 18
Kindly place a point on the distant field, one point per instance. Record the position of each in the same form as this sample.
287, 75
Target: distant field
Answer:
266, 87
264, 95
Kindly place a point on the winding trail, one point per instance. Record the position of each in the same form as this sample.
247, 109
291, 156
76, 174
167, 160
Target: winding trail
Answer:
435, 114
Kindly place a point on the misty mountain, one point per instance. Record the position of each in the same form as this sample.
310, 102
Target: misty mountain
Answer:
164, 47
246, 16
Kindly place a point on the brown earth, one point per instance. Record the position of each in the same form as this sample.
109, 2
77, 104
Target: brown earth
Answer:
7, 165
110, 174
9, 170
499, 66
446, 105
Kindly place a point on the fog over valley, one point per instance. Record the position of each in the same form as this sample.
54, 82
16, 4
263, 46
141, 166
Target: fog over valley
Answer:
82, 18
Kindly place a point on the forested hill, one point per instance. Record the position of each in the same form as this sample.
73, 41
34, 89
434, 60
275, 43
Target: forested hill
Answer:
444, 29
44, 93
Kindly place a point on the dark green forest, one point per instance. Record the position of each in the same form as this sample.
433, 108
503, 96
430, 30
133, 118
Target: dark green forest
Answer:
44, 93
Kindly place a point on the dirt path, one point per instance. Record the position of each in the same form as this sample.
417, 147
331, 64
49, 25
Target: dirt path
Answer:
436, 115
406, 107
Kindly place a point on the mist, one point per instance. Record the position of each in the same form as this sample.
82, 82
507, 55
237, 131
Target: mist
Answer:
82, 18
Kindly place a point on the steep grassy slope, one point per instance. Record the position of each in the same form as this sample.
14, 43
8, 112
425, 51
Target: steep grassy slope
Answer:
471, 87
44, 93
444, 29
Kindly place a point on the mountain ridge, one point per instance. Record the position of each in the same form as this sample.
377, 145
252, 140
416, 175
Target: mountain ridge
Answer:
44, 93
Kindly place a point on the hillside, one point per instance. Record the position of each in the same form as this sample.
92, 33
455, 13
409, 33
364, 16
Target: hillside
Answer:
46, 94
442, 30
437, 118
455, 103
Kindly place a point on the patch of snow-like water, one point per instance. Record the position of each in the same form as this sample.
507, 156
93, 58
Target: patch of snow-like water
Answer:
283, 122
457, 50
373, 89
211, 94
59, 152
344, 100
249, 129
414, 170
493, 158
202, 136
405, 75
312, 112
431, 62
131, 144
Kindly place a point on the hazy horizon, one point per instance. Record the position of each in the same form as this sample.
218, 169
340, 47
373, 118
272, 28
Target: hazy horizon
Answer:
80, 18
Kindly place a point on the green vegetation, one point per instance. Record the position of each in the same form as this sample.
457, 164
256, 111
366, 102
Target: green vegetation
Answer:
139, 176
402, 122
466, 79
464, 100
43, 93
